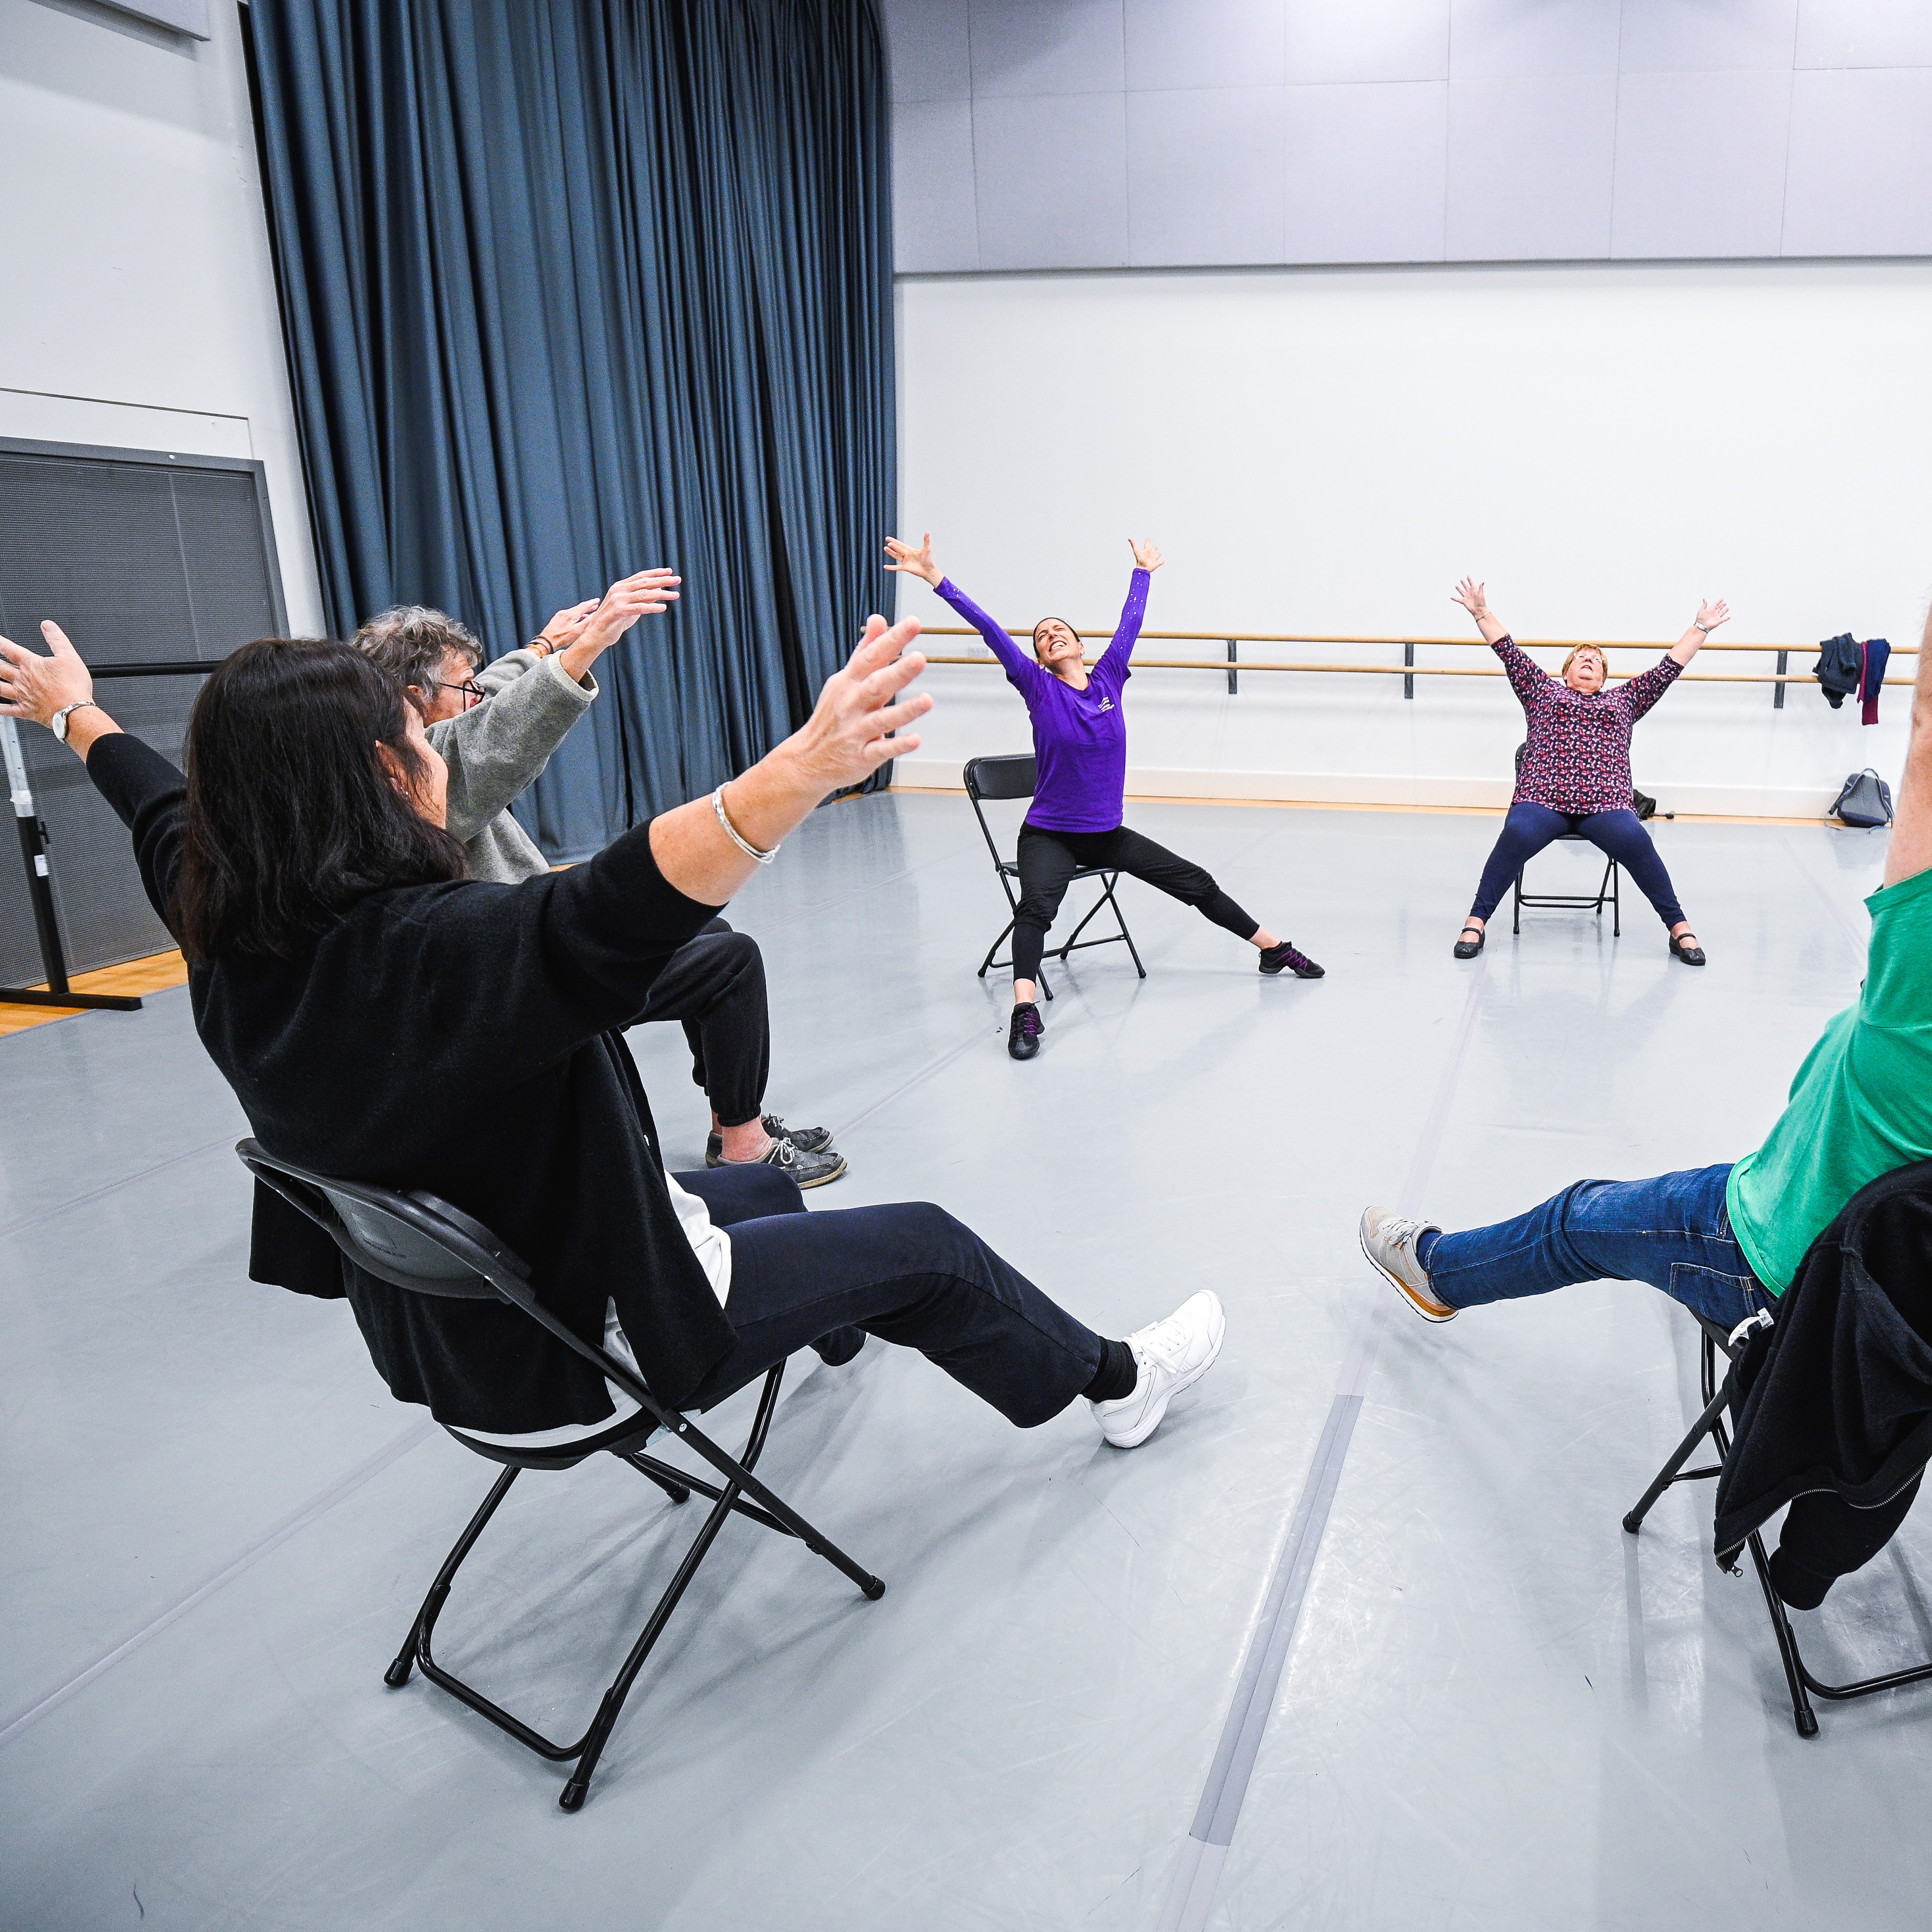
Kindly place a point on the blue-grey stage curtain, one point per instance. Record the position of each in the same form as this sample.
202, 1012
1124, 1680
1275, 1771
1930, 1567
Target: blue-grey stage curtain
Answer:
571, 287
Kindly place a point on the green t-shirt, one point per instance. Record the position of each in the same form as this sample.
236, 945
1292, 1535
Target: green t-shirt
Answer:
1861, 1104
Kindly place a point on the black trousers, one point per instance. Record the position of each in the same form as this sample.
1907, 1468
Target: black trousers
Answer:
909, 1273
716, 985
1047, 862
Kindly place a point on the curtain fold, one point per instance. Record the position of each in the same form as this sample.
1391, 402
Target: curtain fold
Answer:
573, 288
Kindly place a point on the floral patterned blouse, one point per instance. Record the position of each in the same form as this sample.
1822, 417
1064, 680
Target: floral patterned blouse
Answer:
1577, 760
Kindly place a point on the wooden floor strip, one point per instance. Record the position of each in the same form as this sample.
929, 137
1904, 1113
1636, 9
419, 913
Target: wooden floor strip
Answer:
138, 977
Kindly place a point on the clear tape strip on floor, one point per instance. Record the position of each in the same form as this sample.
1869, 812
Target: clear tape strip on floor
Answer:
323, 1501
1205, 1849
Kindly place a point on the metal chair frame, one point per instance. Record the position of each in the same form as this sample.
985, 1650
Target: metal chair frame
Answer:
1009, 870
1609, 891
1797, 1676
423, 1245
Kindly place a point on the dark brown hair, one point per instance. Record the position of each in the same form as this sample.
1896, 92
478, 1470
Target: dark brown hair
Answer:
292, 815
1077, 638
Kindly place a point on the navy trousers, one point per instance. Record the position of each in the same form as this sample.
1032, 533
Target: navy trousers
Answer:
1617, 835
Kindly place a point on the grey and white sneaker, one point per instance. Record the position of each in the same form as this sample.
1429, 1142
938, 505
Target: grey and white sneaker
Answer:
807, 1140
809, 1170
1173, 1355
1389, 1239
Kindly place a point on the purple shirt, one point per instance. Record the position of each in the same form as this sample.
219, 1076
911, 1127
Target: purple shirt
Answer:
1079, 737
1577, 760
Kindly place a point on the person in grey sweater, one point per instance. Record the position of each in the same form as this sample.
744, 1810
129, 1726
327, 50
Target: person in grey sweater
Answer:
496, 726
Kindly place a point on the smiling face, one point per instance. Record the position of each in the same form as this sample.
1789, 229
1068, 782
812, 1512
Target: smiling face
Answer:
1584, 670
1057, 645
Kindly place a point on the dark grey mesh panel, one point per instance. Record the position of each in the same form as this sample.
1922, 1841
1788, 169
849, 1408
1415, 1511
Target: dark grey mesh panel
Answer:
138, 563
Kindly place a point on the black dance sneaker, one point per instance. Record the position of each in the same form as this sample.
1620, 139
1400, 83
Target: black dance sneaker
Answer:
809, 1170
1284, 957
1023, 1035
807, 1140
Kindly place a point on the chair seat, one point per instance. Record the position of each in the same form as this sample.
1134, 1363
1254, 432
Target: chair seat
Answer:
627, 1438
1011, 868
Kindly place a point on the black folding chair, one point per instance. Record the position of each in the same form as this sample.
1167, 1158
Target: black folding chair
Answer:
1014, 777
1609, 888
425, 1247
1797, 1676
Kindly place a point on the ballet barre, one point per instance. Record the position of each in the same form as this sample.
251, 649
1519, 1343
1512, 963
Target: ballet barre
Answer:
1408, 670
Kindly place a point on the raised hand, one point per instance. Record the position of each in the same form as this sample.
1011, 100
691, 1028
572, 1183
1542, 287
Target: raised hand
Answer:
1146, 556
564, 629
36, 687
1710, 616
627, 600
915, 562
845, 738
1470, 594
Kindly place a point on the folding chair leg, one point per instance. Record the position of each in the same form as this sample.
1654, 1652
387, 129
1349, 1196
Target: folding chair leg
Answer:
1617, 895
1516, 924
1666, 1476
398, 1674
1120, 920
1802, 1714
987, 962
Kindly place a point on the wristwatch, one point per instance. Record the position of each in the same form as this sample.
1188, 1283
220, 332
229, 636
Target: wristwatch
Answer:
58, 720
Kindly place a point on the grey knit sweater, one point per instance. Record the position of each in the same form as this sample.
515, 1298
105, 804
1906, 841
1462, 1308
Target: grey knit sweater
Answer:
496, 749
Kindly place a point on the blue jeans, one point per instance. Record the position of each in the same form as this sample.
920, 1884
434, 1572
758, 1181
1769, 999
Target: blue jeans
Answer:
1674, 1232
1617, 835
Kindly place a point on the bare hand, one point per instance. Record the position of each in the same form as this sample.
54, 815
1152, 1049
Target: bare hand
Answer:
36, 687
1146, 556
844, 739
1710, 616
915, 563
564, 629
631, 598
1470, 594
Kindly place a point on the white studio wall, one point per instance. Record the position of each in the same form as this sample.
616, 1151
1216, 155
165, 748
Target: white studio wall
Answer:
141, 311
1330, 448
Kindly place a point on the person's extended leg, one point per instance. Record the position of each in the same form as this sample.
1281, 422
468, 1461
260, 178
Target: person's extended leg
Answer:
749, 1191
1525, 831
715, 984
911, 1274
1046, 863
1140, 858
1622, 836
1673, 1231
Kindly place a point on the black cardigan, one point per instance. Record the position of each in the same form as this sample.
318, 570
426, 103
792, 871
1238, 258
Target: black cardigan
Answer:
460, 1037
1833, 1402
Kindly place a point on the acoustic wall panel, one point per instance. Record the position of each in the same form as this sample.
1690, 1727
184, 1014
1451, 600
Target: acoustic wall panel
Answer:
141, 558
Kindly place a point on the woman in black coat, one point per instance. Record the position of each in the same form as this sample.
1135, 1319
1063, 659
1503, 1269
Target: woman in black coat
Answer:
382, 1017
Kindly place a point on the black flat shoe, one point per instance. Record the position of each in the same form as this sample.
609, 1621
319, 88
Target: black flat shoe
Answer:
1691, 956
1465, 948
1023, 1035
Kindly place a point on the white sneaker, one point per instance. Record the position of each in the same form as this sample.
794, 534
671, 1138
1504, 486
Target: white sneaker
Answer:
1389, 1239
1174, 1354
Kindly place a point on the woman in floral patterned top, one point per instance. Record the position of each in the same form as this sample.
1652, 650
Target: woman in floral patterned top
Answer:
1576, 774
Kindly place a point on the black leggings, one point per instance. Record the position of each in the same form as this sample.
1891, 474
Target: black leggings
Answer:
716, 985
1048, 861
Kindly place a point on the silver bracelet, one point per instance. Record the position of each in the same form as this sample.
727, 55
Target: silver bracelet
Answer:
1706, 629
732, 832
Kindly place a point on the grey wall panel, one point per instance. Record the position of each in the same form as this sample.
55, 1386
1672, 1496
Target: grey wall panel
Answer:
1044, 47
1367, 170
1493, 40
1206, 44
1864, 33
931, 50
1050, 173
1392, 40
1409, 130
1860, 179
1531, 163
1677, 36
1700, 164
1206, 175
935, 225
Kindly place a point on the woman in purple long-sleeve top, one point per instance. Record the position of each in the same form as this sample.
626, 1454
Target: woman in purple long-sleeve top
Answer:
1576, 770
1080, 743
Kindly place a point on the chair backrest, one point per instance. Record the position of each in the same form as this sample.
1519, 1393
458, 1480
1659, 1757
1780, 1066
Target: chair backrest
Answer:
1011, 776
423, 1246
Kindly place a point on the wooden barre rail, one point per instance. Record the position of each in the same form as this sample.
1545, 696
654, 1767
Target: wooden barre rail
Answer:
1408, 670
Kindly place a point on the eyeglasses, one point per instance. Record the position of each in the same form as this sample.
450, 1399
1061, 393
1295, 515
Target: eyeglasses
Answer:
474, 692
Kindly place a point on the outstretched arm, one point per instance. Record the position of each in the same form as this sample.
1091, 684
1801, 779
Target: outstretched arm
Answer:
1147, 559
1526, 676
1019, 665
1708, 617
1910, 851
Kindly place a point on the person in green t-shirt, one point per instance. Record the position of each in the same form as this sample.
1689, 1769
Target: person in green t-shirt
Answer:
1727, 1239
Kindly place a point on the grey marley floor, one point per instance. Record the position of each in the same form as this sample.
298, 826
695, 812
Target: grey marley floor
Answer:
1498, 1711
